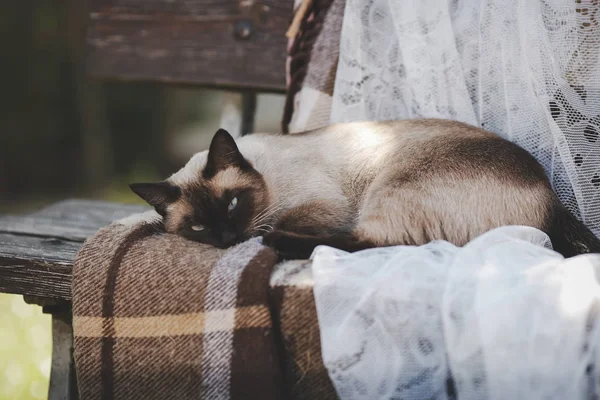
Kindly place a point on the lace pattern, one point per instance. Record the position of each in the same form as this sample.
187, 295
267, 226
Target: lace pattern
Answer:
528, 70
504, 317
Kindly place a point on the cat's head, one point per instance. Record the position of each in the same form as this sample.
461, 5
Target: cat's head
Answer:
218, 198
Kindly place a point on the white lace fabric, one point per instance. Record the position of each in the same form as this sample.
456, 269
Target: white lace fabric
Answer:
504, 317
528, 70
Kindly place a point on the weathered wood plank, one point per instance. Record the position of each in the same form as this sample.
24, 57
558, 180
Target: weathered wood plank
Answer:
36, 266
48, 227
41, 250
51, 281
215, 43
73, 220
103, 211
37, 251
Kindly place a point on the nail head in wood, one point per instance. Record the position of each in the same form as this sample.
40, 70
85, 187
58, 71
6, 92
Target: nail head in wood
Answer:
243, 29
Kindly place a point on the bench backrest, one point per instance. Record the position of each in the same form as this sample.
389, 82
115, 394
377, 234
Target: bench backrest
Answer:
230, 44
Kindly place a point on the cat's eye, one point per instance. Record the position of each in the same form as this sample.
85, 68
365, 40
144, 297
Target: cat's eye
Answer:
233, 204
197, 228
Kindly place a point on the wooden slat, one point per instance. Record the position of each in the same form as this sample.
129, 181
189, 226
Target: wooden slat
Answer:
36, 266
37, 251
73, 220
102, 211
201, 42
63, 379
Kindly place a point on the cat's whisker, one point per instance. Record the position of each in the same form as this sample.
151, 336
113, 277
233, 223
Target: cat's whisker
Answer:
265, 227
269, 227
270, 207
260, 225
264, 230
260, 230
267, 218
259, 217
262, 219
267, 213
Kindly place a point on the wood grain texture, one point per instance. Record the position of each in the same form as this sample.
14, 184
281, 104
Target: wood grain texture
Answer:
37, 251
36, 266
73, 220
84, 208
237, 44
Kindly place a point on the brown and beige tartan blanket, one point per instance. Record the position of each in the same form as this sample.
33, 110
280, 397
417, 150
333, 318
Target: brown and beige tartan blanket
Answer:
156, 316
313, 54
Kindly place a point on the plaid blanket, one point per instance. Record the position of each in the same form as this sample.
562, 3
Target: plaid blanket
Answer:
313, 53
156, 316
306, 377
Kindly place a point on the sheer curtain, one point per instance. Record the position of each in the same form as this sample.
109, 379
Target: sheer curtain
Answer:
503, 317
528, 70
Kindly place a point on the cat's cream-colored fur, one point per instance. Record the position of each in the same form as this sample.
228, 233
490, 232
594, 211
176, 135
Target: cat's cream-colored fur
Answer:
400, 182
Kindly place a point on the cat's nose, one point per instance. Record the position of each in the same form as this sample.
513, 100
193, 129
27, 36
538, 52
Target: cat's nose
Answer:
228, 238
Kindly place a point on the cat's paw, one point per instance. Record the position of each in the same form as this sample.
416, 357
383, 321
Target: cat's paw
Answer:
290, 246
270, 239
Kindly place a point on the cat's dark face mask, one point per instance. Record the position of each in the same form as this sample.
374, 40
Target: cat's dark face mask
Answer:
223, 207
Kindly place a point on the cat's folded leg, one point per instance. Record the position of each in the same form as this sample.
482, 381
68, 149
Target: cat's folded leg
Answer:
317, 218
290, 245
303, 228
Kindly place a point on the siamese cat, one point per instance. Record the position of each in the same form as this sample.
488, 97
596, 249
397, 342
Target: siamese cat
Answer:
359, 185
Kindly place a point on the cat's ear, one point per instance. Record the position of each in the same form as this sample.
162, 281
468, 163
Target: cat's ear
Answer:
223, 153
159, 195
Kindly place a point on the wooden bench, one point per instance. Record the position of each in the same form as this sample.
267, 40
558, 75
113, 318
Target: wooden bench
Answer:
235, 45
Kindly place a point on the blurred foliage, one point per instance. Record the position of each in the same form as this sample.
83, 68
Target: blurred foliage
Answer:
25, 350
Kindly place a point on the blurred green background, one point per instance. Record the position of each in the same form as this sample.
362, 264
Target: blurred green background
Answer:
25, 350
63, 135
